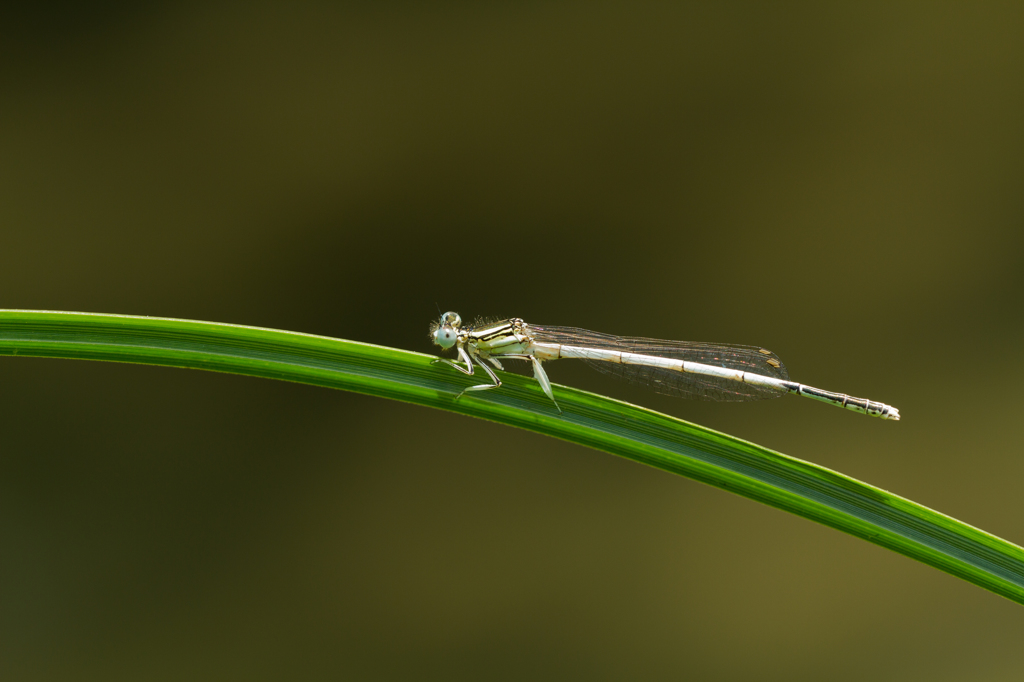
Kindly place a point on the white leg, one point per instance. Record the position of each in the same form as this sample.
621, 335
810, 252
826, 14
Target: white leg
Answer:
539, 374
482, 387
542, 378
465, 358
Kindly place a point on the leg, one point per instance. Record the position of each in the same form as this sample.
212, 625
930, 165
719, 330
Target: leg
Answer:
482, 387
539, 374
468, 370
464, 356
542, 378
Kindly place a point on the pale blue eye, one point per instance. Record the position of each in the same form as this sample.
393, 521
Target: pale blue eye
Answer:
445, 336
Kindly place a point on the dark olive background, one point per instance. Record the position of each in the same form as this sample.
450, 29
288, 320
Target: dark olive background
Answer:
842, 185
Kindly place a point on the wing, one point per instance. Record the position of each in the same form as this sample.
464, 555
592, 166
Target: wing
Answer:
671, 382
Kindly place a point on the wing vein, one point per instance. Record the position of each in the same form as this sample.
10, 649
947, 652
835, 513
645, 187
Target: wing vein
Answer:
671, 382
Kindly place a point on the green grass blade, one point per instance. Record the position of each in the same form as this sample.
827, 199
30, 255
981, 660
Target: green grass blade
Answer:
636, 433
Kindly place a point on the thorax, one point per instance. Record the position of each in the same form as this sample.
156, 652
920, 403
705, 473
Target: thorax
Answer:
508, 337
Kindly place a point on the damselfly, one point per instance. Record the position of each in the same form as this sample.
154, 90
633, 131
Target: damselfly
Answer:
705, 371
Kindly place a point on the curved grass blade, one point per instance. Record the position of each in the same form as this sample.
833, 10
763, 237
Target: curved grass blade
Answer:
622, 429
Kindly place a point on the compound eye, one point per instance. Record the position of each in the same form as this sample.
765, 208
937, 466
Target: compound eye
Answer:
445, 336
451, 320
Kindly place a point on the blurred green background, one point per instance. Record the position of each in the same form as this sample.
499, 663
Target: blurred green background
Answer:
840, 184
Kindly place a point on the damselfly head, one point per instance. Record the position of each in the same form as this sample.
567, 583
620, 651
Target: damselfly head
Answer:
446, 332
